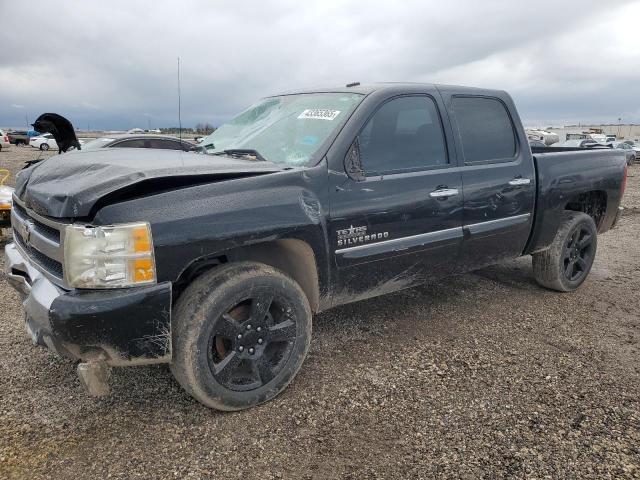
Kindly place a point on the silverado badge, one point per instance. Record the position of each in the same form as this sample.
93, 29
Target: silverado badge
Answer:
358, 235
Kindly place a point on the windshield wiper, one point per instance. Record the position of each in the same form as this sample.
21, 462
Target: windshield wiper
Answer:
242, 152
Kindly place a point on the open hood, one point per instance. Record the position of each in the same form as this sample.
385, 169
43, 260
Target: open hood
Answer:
69, 185
60, 128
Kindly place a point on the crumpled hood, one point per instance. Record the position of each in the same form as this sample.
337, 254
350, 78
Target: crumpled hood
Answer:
70, 184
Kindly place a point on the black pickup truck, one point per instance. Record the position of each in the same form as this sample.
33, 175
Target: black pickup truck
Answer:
215, 262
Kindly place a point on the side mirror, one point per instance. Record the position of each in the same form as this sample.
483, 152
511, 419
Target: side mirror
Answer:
352, 163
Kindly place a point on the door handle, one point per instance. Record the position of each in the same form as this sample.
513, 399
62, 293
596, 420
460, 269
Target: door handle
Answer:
520, 181
444, 192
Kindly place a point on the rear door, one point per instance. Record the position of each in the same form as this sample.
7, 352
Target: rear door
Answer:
498, 178
400, 224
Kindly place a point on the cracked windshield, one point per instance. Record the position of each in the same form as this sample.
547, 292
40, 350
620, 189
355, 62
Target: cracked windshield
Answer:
288, 129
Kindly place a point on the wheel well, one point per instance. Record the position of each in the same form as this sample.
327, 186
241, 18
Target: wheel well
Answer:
291, 256
592, 203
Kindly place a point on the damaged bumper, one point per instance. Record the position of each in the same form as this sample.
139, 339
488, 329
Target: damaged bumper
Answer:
120, 327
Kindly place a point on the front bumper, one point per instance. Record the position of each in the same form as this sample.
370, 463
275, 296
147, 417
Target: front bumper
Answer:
121, 326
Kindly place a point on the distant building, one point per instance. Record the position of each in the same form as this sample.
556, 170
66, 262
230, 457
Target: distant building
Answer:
621, 132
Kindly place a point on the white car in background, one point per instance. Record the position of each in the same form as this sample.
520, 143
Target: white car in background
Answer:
4, 141
635, 144
43, 142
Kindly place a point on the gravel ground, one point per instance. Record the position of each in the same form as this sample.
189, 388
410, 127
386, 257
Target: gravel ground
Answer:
481, 376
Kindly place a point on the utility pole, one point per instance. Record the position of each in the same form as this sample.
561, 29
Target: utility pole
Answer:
619, 120
179, 105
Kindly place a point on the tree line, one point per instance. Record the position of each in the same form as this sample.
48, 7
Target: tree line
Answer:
200, 129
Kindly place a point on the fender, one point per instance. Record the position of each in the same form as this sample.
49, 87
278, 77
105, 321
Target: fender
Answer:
206, 221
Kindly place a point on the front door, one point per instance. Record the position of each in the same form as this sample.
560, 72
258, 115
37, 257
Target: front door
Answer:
399, 223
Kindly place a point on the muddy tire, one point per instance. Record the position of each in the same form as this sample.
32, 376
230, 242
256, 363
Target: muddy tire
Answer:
568, 261
240, 334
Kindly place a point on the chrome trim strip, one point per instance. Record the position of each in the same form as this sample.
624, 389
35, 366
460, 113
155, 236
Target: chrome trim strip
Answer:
14, 212
57, 224
490, 225
402, 243
432, 237
48, 275
35, 239
45, 246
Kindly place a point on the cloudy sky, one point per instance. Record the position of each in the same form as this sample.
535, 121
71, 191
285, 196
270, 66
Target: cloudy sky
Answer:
112, 65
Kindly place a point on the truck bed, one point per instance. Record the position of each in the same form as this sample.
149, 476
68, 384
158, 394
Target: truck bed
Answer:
562, 174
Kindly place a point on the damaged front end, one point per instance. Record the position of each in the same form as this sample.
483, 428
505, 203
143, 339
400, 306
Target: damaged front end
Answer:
103, 328
99, 327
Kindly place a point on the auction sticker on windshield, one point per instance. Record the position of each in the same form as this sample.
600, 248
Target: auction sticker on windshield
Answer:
319, 114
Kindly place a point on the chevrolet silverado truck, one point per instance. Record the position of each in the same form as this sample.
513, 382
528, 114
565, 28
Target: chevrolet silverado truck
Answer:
215, 262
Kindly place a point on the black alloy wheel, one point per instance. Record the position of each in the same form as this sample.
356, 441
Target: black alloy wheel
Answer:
240, 334
250, 343
578, 254
566, 263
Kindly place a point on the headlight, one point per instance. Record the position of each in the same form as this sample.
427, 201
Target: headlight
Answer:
109, 257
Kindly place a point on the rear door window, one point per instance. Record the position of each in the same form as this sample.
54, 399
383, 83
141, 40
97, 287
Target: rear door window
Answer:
486, 130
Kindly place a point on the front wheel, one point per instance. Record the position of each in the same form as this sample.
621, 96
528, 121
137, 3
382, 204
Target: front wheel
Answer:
240, 335
44, 147
568, 261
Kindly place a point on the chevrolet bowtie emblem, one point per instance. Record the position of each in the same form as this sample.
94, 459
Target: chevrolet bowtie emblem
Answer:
26, 229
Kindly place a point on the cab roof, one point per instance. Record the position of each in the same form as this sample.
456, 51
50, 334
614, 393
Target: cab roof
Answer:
367, 88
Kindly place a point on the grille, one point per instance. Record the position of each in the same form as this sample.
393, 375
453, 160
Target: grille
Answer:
40, 239
47, 231
49, 264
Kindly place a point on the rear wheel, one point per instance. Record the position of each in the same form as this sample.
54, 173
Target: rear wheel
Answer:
568, 261
240, 335
44, 146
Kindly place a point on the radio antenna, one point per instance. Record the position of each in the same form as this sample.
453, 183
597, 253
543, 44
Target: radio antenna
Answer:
179, 109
